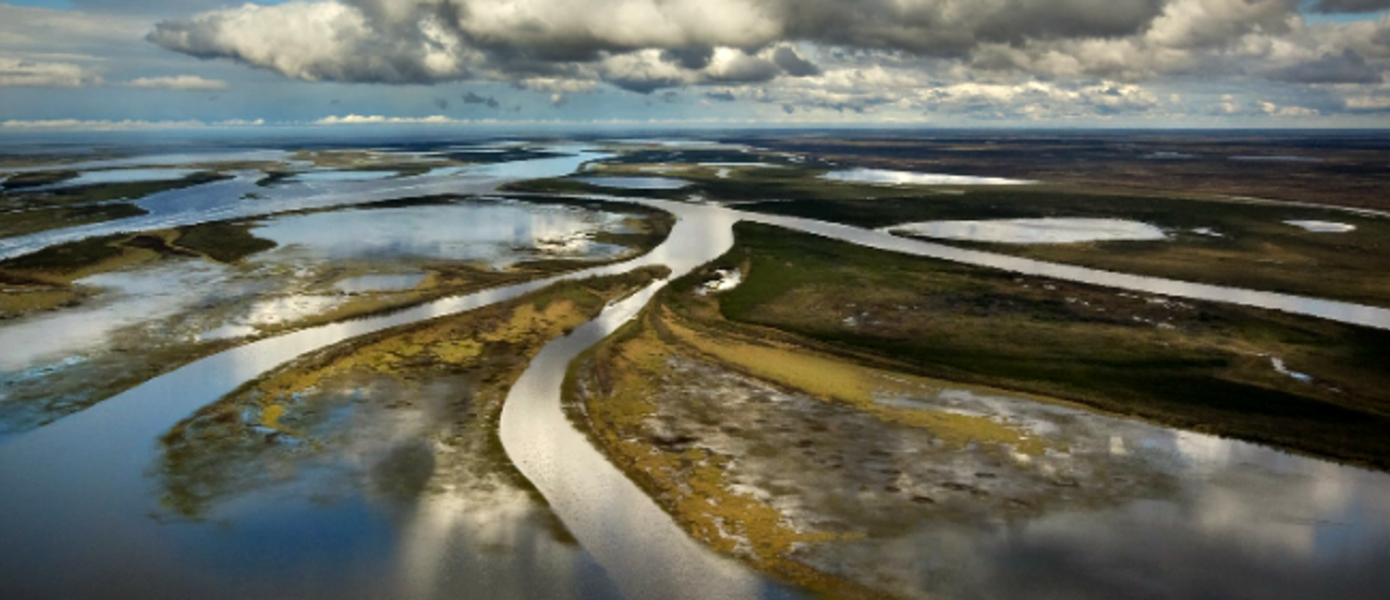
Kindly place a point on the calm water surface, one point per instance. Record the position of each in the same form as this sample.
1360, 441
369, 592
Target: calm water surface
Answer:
81, 518
121, 176
240, 197
891, 177
1033, 231
635, 183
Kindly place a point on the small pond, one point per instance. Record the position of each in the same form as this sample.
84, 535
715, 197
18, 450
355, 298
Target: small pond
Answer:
890, 177
1033, 231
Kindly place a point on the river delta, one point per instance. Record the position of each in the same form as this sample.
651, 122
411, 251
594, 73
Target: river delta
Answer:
749, 367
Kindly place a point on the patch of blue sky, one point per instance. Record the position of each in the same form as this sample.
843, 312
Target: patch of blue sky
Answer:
1313, 18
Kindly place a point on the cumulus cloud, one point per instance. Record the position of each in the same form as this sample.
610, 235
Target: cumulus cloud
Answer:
425, 41
1062, 56
355, 119
324, 41
16, 72
792, 63
191, 83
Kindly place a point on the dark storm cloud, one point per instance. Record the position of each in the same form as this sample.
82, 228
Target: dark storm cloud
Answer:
792, 63
643, 85
952, 28
689, 58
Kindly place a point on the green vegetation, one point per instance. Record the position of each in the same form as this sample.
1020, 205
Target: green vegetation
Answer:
36, 179
25, 222
1201, 366
223, 241
456, 370
1255, 248
616, 392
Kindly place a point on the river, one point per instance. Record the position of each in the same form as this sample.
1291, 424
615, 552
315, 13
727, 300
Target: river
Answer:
80, 515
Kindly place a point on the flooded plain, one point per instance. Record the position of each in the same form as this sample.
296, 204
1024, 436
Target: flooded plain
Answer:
242, 197
1111, 507
1114, 507
336, 262
121, 176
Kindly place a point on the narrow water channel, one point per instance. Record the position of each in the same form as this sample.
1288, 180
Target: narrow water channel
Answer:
241, 197
79, 516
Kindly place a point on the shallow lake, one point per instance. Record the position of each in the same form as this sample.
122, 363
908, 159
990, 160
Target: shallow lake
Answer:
890, 177
122, 176
495, 233
320, 176
241, 197
1186, 514
635, 183
1033, 231
1296, 527
1322, 226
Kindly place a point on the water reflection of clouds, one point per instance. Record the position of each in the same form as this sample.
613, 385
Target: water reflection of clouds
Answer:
228, 199
132, 297
1210, 503
890, 177
496, 233
1034, 231
635, 183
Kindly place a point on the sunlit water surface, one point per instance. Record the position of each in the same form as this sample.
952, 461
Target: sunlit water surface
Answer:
81, 519
635, 183
891, 177
1033, 231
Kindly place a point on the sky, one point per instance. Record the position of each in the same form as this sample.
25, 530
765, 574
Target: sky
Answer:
126, 64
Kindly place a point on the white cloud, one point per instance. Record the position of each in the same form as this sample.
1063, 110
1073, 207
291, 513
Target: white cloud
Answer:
181, 82
1274, 110
380, 120
24, 72
126, 125
557, 85
1368, 103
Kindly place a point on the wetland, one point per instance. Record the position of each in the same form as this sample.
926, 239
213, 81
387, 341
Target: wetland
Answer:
746, 366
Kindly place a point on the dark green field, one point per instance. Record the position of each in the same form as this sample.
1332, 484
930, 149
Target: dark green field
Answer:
1196, 365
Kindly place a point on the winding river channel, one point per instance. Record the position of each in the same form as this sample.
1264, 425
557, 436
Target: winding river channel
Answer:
79, 513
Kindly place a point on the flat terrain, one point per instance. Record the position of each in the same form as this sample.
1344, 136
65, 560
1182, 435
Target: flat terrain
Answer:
24, 211
1209, 240
376, 409
1197, 365
1334, 168
57, 282
839, 399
